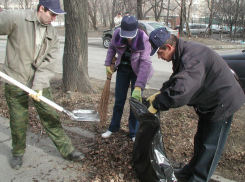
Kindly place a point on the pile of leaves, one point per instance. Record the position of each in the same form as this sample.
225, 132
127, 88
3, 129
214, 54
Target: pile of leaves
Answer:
111, 159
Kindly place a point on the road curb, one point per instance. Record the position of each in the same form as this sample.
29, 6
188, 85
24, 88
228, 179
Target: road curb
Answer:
235, 46
215, 47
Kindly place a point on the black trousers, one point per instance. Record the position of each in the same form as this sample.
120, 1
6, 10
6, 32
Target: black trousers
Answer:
209, 143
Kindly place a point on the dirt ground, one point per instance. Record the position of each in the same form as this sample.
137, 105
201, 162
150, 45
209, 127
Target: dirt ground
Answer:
111, 159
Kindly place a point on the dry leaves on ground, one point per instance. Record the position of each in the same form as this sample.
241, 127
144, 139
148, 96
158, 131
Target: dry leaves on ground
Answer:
111, 159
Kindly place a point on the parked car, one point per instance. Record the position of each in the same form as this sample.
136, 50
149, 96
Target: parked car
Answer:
107, 35
236, 63
240, 30
149, 26
196, 29
169, 24
177, 27
146, 25
219, 29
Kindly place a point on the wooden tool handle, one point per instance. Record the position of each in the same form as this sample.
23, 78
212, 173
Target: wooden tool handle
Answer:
30, 91
113, 61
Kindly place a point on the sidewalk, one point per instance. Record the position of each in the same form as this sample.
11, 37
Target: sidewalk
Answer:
42, 161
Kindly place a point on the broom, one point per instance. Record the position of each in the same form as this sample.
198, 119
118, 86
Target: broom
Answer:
104, 99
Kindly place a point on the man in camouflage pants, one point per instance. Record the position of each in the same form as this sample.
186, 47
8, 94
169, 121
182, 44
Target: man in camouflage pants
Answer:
31, 56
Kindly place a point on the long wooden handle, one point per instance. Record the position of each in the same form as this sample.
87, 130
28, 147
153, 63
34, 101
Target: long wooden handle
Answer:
30, 91
113, 61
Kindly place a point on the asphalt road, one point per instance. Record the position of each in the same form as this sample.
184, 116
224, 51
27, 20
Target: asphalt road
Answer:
96, 58
97, 55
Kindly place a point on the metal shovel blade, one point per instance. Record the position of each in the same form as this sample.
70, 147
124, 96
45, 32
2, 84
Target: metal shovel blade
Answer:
85, 115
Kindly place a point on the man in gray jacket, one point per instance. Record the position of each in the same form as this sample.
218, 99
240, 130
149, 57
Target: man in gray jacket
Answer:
31, 56
202, 79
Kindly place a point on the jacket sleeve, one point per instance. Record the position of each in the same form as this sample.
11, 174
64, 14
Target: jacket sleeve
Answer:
181, 88
111, 52
145, 66
6, 22
46, 70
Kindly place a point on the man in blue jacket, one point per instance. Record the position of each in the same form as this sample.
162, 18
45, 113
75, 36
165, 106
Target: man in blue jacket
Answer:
202, 79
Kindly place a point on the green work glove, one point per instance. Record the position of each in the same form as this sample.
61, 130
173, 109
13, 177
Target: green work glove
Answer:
152, 110
35, 96
108, 70
137, 94
152, 97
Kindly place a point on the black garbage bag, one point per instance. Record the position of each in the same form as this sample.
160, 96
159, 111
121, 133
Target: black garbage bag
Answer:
149, 156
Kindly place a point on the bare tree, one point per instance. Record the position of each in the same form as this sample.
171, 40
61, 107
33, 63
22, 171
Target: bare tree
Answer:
75, 58
182, 17
6, 4
230, 8
103, 13
24, 4
145, 9
157, 6
139, 10
241, 15
213, 11
129, 5
92, 12
113, 13
236, 15
167, 12
187, 18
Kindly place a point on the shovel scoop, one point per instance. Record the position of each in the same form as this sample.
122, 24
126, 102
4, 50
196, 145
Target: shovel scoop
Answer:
76, 115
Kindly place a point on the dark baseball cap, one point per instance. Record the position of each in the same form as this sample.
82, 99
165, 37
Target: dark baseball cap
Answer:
129, 27
157, 38
52, 5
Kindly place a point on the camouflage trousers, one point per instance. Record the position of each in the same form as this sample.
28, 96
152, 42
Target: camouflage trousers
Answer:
17, 100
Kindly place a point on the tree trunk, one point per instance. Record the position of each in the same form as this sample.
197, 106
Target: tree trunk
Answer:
139, 10
167, 13
113, 14
211, 15
6, 4
92, 12
75, 58
157, 9
104, 21
182, 18
187, 19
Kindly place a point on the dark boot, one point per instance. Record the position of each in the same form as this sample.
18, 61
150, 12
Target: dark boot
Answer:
181, 177
75, 155
16, 162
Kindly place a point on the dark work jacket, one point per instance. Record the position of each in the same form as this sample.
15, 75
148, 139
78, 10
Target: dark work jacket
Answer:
202, 79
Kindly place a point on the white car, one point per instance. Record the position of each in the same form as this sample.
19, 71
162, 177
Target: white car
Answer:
149, 26
219, 29
146, 25
196, 29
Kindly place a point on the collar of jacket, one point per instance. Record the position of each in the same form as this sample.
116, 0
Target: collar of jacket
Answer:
137, 42
32, 17
177, 55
